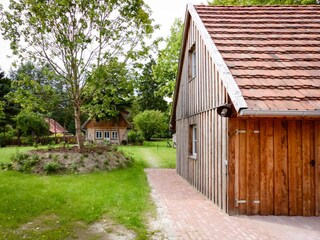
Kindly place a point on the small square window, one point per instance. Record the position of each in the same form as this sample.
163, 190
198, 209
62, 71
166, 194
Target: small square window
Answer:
114, 135
98, 134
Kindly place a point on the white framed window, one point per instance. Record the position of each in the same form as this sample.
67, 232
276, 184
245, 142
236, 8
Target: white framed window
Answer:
114, 135
98, 134
193, 62
194, 140
107, 135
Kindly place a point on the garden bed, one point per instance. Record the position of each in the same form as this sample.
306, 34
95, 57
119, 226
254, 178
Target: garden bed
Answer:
68, 160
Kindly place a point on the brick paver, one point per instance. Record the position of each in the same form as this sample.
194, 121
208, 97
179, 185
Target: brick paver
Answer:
192, 216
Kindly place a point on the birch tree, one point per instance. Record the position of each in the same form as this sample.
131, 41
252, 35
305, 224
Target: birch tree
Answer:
76, 36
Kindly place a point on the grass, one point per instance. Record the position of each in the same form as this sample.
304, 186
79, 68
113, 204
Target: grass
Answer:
154, 154
6, 152
60, 202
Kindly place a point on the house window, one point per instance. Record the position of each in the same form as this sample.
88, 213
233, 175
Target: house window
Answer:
193, 140
106, 135
192, 62
98, 134
114, 135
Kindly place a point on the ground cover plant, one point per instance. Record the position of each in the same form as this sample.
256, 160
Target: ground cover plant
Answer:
68, 160
64, 206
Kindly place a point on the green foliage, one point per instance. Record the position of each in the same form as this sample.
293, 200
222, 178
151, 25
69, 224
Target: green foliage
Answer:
166, 68
6, 166
148, 97
154, 154
261, 2
152, 123
31, 88
108, 91
135, 137
24, 162
30, 123
52, 167
70, 199
74, 37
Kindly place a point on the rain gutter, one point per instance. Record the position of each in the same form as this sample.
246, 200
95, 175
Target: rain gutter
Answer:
279, 113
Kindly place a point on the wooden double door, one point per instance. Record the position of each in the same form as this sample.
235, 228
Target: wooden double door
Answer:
274, 167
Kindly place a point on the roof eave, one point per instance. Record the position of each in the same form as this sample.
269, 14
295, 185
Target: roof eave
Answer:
225, 74
279, 113
178, 77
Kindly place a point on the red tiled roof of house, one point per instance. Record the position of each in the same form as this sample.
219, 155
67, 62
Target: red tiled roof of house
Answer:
273, 53
54, 126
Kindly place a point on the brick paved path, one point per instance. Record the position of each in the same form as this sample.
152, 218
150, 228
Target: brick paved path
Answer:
189, 215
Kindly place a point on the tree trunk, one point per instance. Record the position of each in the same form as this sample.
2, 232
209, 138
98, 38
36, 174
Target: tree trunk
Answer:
77, 118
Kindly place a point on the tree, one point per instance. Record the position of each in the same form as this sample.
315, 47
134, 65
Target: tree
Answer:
165, 71
31, 123
39, 89
147, 88
151, 123
261, 2
8, 109
76, 36
109, 91
33, 88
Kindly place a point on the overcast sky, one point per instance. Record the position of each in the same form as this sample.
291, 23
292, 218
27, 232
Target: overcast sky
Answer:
164, 13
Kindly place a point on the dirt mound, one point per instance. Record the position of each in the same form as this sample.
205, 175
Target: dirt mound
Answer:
70, 160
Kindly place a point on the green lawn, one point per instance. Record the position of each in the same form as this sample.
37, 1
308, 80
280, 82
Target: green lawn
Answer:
154, 154
61, 202
6, 152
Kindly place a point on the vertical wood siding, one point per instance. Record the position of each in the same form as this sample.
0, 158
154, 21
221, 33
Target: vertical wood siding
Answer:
196, 104
274, 167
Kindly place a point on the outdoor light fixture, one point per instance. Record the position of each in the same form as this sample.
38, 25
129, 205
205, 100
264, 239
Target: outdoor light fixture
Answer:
225, 110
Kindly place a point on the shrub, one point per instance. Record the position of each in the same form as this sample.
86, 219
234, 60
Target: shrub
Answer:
135, 137
6, 166
51, 167
24, 162
151, 123
18, 157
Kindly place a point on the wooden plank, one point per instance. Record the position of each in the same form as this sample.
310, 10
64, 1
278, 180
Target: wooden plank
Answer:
210, 155
307, 147
280, 168
224, 166
252, 153
266, 167
232, 127
299, 168
317, 167
250, 166
216, 159
294, 166
242, 168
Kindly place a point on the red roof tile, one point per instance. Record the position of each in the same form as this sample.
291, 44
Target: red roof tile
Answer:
54, 126
273, 53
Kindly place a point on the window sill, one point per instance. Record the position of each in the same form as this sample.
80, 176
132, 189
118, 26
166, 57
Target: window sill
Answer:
191, 79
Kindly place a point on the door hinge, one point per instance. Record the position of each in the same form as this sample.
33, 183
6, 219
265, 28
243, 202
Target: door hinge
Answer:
240, 131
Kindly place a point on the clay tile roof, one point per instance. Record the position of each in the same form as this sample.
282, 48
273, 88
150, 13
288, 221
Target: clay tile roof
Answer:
54, 126
273, 53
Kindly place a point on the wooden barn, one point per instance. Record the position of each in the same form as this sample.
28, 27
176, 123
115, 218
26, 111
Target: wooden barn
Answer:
246, 108
114, 131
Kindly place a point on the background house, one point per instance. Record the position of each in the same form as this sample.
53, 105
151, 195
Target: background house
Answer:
246, 108
55, 127
114, 131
